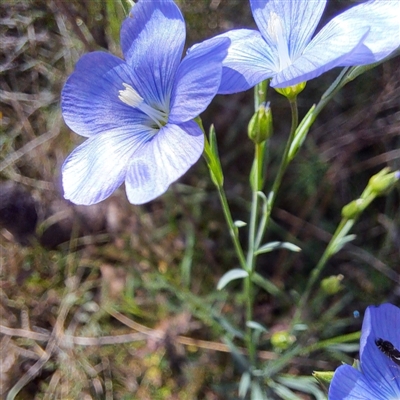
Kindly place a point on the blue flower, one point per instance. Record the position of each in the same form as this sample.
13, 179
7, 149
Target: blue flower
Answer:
379, 374
138, 114
283, 50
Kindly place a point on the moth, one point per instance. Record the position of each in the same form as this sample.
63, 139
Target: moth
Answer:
388, 349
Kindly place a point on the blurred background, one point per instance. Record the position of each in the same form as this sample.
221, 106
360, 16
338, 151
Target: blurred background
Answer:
143, 279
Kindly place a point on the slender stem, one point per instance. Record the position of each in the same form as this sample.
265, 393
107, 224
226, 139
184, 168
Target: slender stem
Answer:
214, 166
232, 228
280, 363
251, 257
256, 183
342, 230
281, 171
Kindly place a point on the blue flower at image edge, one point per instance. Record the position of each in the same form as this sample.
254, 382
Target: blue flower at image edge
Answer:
137, 114
283, 50
379, 375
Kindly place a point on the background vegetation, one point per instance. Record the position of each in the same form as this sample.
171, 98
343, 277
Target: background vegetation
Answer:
115, 301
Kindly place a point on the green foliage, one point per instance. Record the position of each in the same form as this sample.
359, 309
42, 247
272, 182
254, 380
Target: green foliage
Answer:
128, 308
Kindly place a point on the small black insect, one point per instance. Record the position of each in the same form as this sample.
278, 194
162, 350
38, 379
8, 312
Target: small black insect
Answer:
388, 349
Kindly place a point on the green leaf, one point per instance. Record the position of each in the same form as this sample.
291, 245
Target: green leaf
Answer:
267, 285
266, 248
305, 384
301, 133
231, 275
256, 392
284, 393
244, 385
256, 326
341, 242
239, 224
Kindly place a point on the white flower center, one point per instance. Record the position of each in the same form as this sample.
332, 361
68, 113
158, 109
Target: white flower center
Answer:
276, 31
131, 97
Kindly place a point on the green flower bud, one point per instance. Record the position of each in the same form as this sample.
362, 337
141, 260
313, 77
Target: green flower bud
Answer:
353, 209
383, 181
332, 284
291, 92
282, 340
323, 376
260, 125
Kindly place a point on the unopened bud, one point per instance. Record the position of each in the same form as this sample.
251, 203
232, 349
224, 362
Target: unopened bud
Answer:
282, 340
323, 376
332, 284
353, 209
383, 181
260, 125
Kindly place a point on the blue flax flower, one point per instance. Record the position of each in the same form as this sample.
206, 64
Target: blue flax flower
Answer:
379, 374
138, 114
283, 50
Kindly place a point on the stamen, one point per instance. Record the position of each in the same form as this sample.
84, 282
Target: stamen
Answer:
276, 31
132, 98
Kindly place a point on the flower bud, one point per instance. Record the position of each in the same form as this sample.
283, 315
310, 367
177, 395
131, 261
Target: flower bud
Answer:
260, 125
353, 209
291, 92
332, 284
323, 376
281, 340
383, 181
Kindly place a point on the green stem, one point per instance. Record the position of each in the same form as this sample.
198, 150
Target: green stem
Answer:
281, 171
214, 166
232, 228
251, 257
276, 366
332, 248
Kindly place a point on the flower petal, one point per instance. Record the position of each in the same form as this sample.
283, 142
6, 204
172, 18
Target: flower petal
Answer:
299, 19
250, 60
350, 384
95, 169
382, 17
381, 322
152, 40
89, 99
163, 160
330, 47
197, 79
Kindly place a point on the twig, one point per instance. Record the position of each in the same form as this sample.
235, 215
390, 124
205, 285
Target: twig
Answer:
38, 141
64, 340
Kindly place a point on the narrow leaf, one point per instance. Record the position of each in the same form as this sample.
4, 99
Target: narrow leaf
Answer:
266, 248
240, 224
231, 275
244, 385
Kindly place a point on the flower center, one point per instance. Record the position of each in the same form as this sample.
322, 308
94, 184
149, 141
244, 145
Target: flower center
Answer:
276, 31
131, 97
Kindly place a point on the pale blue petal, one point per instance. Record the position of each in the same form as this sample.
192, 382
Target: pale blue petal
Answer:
333, 44
197, 79
379, 378
89, 99
163, 160
95, 169
250, 60
382, 17
152, 40
299, 19
381, 322
350, 384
